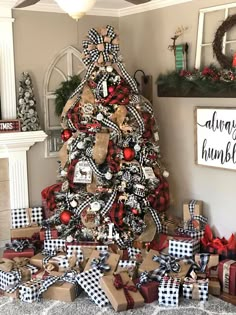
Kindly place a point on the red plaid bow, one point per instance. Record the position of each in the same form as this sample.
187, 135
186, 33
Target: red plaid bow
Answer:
48, 194
119, 96
117, 214
119, 284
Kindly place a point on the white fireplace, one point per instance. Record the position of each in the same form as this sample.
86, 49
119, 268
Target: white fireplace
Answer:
13, 145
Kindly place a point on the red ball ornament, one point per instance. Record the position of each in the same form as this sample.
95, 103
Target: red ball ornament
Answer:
66, 134
111, 89
134, 211
65, 216
129, 154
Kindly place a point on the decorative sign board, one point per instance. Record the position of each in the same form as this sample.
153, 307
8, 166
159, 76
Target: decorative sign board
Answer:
216, 137
10, 125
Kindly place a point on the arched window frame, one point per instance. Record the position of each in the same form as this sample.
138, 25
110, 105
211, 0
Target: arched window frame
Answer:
53, 141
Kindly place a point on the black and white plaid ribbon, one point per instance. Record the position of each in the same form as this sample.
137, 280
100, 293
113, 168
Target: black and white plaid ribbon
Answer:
108, 123
109, 203
156, 218
84, 205
100, 262
48, 255
18, 245
202, 264
192, 233
128, 78
200, 218
94, 168
137, 117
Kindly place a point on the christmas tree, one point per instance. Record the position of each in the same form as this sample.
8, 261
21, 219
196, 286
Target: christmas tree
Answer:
112, 183
26, 109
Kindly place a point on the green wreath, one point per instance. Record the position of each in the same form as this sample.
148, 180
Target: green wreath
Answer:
224, 61
64, 92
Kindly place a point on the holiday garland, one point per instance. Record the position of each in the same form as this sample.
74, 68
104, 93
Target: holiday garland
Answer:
64, 92
207, 81
223, 60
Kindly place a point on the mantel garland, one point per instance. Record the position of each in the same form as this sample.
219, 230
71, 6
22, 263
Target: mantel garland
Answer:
224, 61
205, 82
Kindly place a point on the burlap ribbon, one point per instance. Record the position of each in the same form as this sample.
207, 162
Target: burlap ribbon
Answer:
195, 285
119, 284
18, 263
119, 116
100, 147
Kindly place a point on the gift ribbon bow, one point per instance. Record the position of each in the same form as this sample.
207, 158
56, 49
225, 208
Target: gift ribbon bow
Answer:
19, 245
200, 218
100, 262
202, 263
101, 46
167, 263
144, 278
119, 284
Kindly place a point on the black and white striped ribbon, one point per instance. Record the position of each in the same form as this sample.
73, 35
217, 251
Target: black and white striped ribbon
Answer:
156, 219
108, 123
109, 203
94, 36
137, 117
83, 205
89, 152
128, 78
135, 99
94, 168
71, 125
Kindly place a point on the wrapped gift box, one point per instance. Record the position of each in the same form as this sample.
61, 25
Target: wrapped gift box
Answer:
227, 276
195, 289
62, 291
192, 206
130, 266
43, 274
149, 264
212, 262
184, 248
134, 253
37, 260
170, 223
29, 291
168, 291
9, 280
90, 282
26, 216
25, 233
112, 261
148, 290
214, 287
117, 296
10, 253
56, 244
48, 234
85, 247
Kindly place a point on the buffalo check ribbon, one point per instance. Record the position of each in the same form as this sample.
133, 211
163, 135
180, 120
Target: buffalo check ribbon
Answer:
119, 284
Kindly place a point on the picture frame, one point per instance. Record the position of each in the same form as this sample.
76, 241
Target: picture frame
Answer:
215, 137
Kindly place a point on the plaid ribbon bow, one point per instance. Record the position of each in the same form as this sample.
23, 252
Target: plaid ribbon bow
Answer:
167, 264
98, 48
19, 245
100, 263
200, 218
119, 284
202, 264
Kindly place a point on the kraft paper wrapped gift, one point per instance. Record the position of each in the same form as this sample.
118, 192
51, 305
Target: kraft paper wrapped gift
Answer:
196, 207
227, 276
10, 253
37, 260
130, 266
117, 296
61, 291
85, 247
25, 232
149, 265
212, 262
112, 261
214, 287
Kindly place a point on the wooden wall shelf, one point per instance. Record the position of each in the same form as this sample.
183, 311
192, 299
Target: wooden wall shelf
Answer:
165, 91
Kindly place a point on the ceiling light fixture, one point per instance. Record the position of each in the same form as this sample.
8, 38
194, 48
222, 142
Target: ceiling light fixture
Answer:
76, 8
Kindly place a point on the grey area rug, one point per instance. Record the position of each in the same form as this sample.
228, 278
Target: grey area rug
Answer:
83, 306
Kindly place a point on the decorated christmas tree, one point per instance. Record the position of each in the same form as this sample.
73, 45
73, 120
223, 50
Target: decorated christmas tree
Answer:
26, 109
112, 183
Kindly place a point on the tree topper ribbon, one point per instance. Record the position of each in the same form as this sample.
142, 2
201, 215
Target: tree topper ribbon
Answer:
101, 47
100, 263
119, 284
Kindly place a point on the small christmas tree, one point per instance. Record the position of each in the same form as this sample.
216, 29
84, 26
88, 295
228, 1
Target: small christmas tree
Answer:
26, 109
113, 184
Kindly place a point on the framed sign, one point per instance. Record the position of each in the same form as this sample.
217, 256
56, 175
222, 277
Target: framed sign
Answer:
10, 125
215, 131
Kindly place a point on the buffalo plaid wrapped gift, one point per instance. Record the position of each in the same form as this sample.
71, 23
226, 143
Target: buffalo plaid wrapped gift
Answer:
56, 244
184, 248
9, 281
130, 266
168, 291
195, 289
90, 282
29, 291
26, 216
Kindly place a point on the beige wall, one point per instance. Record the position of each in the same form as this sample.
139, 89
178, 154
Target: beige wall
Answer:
148, 36
38, 37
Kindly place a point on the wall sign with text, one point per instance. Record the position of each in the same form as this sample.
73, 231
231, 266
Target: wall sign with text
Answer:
216, 136
10, 125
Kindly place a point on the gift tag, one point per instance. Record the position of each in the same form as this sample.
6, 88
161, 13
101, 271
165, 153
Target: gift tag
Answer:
83, 173
148, 172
